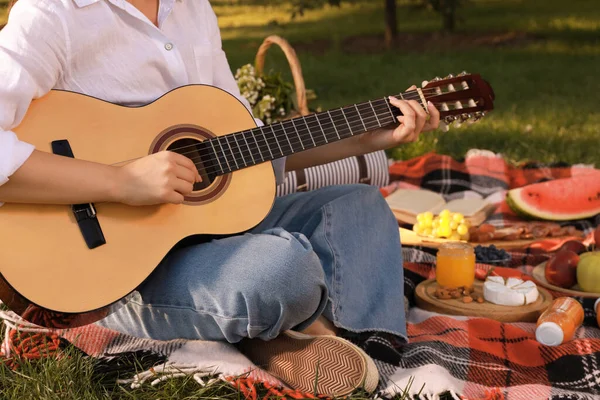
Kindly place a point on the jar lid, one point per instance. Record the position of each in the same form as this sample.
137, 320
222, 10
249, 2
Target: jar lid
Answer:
456, 248
549, 334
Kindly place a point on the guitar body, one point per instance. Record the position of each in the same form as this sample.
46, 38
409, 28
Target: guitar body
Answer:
48, 274
51, 275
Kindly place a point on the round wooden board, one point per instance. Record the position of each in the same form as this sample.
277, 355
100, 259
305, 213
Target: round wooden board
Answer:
426, 300
409, 238
539, 274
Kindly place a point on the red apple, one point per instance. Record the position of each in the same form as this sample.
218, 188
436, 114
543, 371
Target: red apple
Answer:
597, 237
561, 269
574, 246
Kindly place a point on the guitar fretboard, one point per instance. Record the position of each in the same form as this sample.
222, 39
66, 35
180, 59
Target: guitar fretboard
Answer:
232, 152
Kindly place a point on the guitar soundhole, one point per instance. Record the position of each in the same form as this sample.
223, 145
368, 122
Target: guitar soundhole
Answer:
195, 151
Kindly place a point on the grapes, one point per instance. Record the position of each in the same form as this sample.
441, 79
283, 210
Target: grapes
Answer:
445, 214
446, 225
458, 217
445, 231
428, 216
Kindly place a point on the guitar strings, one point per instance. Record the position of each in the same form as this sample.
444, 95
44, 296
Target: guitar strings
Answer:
377, 116
223, 160
318, 140
410, 95
303, 133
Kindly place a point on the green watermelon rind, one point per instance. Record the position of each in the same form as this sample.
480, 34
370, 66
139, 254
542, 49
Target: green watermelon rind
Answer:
524, 210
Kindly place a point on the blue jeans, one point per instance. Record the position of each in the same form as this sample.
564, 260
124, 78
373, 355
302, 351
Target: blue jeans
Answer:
334, 251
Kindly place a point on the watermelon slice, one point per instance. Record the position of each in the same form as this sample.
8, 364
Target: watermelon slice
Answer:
558, 200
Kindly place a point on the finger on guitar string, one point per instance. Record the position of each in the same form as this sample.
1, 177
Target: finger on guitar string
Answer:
182, 186
407, 120
186, 174
421, 116
187, 163
434, 116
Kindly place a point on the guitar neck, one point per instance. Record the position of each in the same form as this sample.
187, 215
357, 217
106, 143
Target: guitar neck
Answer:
243, 149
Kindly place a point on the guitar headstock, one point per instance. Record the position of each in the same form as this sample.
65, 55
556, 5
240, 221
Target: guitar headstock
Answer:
461, 98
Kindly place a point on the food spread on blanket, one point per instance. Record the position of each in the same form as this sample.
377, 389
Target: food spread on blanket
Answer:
466, 294
559, 322
455, 265
588, 272
509, 292
512, 292
446, 224
407, 204
558, 200
573, 266
491, 255
520, 230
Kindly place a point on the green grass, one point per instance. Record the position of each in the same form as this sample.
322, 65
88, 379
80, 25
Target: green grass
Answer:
546, 110
545, 90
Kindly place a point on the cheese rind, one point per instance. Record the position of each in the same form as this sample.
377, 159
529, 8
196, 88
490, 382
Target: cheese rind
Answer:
512, 292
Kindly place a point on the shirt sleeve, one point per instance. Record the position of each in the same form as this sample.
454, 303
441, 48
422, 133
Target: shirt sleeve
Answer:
32, 54
223, 78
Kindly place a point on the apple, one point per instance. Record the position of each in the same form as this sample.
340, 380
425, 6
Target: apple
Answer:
597, 237
588, 272
589, 253
574, 246
561, 269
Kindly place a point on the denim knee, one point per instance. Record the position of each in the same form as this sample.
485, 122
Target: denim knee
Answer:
290, 289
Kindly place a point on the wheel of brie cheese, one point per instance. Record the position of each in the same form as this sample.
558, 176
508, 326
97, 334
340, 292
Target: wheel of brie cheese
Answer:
510, 292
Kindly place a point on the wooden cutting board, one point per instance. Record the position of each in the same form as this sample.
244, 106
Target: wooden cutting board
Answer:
425, 299
410, 238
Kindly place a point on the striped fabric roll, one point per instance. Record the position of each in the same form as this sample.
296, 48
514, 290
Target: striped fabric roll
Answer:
371, 169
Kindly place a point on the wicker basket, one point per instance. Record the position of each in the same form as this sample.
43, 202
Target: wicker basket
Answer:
292, 58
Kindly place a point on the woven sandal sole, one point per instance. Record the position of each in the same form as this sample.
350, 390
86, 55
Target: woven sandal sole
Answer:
322, 364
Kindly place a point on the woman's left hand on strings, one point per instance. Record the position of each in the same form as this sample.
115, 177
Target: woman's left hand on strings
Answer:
413, 121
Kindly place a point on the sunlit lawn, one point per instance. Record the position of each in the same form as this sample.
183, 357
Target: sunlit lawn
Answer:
546, 105
546, 91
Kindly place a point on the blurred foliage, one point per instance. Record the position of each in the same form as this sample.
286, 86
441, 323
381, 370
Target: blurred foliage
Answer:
447, 9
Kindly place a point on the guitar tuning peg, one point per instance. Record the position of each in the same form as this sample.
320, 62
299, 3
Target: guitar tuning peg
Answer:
450, 76
465, 117
463, 73
437, 78
478, 115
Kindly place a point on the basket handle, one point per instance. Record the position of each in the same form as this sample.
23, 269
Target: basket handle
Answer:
292, 58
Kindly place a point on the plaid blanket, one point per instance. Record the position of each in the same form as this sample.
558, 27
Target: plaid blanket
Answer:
446, 357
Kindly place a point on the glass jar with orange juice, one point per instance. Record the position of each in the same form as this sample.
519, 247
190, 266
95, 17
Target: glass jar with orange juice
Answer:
455, 265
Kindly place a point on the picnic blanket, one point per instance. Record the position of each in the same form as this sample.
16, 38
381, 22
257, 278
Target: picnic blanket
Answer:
446, 357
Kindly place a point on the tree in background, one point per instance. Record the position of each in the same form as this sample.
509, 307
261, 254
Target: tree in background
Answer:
391, 19
447, 9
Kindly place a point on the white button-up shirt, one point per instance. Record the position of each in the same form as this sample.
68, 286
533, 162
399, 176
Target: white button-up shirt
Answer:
106, 49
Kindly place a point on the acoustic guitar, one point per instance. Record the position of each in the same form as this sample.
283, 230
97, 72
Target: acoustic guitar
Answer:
64, 266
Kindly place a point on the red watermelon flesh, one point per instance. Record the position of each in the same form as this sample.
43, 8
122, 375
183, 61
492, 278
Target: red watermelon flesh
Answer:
558, 200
